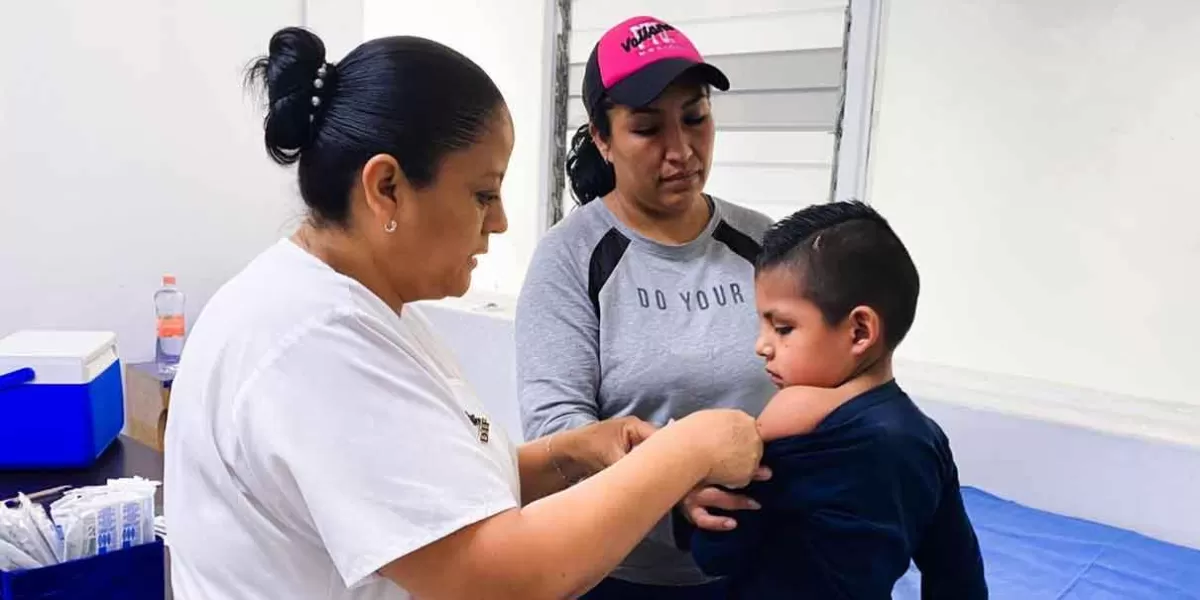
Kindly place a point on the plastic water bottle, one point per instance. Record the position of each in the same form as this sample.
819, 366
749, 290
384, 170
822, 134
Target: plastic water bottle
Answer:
169, 310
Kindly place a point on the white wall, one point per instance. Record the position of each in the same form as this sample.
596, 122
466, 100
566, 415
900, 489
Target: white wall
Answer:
1039, 160
509, 40
128, 150
339, 23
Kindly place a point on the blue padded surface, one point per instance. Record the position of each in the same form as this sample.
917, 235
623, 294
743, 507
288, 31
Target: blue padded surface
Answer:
1034, 555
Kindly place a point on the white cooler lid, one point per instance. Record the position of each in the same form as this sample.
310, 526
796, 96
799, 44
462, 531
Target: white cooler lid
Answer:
59, 357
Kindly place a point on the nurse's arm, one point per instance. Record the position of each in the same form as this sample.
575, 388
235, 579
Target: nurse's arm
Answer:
552, 463
562, 545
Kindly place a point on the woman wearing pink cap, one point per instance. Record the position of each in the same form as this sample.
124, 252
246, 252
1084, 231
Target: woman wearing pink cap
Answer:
641, 303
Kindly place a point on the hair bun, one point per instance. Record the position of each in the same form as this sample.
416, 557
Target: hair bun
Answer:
289, 74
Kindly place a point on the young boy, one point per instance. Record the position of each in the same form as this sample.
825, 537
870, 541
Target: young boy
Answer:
863, 486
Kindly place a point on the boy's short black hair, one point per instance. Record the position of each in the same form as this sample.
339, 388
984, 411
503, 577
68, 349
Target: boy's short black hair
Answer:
844, 254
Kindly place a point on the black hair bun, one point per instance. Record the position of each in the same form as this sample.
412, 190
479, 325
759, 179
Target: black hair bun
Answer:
289, 73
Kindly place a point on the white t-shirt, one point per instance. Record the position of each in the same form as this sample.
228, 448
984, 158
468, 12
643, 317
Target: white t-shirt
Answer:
315, 436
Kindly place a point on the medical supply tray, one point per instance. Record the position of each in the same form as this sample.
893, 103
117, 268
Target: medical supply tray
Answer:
134, 573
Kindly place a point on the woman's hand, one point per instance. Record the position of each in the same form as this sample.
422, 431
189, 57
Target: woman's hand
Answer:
697, 504
729, 436
729, 439
582, 452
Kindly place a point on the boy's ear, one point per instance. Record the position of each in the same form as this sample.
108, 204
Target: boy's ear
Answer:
866, 329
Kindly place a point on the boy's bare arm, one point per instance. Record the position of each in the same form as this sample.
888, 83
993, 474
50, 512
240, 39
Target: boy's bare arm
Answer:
798, 410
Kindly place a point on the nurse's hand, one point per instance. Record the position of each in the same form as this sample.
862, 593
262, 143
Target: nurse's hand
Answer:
592, 448
729, 439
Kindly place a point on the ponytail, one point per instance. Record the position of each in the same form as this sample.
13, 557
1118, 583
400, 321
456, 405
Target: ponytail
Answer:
591, 176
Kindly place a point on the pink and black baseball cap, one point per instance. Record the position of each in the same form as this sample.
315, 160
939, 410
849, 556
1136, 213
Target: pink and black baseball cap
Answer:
637, 59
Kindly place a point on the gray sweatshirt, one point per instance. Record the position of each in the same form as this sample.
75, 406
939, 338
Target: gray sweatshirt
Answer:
610, 323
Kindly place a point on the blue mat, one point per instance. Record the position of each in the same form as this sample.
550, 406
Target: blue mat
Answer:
1034, 555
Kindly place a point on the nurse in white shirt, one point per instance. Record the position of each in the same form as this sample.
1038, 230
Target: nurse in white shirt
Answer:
321, 443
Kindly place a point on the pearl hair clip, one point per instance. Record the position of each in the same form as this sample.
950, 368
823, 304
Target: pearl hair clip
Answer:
318, 84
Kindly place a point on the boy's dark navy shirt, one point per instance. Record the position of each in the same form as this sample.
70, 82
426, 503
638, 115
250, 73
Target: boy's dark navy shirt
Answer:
847, 508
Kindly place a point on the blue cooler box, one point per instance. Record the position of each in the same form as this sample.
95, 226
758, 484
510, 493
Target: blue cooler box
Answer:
61, 397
